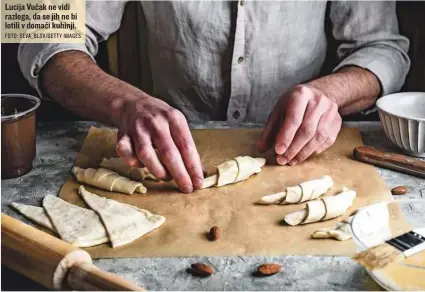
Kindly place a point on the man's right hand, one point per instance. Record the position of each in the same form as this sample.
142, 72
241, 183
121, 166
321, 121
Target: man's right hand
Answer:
148, 127
158, 136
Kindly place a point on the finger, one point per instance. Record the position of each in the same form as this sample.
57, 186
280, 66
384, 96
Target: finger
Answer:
328, 143
332, 135
182, 137
325, 125
294, 115
124, 149
170, 155
305, 132
270, 129
147, 155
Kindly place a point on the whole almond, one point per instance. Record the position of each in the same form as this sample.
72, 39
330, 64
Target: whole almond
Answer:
400, 190
202, 270
215, 233
268, 269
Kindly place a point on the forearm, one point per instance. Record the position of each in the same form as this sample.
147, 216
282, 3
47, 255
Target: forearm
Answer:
352, 88
78, 84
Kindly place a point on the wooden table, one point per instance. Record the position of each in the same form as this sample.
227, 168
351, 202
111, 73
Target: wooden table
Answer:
57, 146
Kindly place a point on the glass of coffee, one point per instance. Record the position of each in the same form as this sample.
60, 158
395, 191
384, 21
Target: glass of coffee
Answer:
18, 129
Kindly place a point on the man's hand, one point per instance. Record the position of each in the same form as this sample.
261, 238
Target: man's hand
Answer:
303, 122
152, 132
148, 127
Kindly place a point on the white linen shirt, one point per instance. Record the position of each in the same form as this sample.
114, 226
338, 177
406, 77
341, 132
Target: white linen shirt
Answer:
220, 60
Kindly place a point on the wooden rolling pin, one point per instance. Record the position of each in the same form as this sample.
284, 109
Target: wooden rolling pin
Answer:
52, 262
398, 162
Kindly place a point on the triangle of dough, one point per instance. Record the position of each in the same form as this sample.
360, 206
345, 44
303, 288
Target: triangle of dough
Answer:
36, 214
79, 226
124, 223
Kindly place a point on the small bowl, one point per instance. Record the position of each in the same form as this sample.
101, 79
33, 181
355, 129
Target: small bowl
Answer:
403, 118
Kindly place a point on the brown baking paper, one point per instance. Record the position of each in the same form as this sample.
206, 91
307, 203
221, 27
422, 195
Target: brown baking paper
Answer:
248, 229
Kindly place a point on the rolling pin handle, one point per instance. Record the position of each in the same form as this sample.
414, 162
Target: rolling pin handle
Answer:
88, 277
52, 262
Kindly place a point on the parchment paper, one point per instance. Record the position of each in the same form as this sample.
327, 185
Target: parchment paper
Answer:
248, 229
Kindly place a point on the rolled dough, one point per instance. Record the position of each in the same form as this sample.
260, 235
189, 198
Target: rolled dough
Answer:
323, 209
342, 231
121, 167
303, 192
108, 180
235, 170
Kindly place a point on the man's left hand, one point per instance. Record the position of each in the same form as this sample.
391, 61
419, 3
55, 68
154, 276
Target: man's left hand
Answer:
304, 121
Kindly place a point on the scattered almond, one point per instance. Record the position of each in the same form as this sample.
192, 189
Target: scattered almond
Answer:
202, 270
400, 190
268, 269
215, 233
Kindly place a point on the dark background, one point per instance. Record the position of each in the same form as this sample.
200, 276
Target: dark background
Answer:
411, 17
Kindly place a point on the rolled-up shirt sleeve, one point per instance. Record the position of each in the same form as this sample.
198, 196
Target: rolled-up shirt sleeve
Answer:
369, 38
102, 19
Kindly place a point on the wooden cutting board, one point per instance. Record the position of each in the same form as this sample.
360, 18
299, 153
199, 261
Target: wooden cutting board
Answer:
248, 229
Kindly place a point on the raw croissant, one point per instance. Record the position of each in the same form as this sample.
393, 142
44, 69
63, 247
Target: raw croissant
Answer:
108, 180
121, 167
305, 191
323, 209
235, 170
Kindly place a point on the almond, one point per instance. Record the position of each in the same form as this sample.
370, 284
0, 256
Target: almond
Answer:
202, 270
215, 233
268, 269
400, 190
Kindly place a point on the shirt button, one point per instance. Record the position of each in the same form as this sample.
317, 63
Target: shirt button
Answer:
240, 60
236, 114
242, 3
35, 69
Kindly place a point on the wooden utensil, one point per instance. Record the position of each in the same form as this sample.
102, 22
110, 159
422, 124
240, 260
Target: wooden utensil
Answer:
397, 162
52, 262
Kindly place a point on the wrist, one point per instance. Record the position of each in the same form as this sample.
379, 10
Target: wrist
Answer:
119, 105
323, 89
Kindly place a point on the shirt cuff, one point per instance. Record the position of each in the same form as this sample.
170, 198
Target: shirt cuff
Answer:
385, 69
33, 57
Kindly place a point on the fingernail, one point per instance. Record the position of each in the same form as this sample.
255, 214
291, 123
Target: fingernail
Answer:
280, 149
198, 183
281, 160
187, 189
293, 162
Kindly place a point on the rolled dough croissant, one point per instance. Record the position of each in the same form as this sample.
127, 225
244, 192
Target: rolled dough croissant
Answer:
323, 209
108, 180
121, 167
305, 191
342, 231
235, 170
